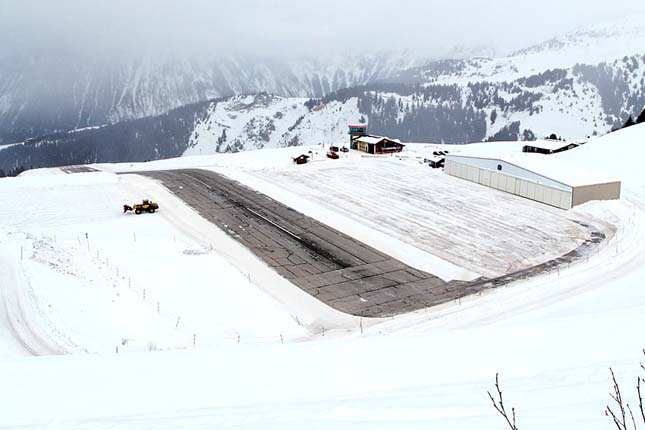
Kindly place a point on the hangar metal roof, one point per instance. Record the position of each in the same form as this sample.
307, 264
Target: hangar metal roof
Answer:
550, 167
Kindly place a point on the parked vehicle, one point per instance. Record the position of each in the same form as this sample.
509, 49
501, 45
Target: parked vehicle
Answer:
332, 155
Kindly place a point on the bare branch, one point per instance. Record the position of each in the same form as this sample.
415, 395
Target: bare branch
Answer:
499, 405
620, 420
632, 416
640, 393
640, 398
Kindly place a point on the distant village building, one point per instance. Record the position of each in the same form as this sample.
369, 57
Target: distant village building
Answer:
361, 141
301, 159
548, 146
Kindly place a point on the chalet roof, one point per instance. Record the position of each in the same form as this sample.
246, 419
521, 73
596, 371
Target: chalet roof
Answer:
375, 139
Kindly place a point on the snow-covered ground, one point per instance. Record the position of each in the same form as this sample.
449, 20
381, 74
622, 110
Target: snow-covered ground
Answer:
479, 230
552, 338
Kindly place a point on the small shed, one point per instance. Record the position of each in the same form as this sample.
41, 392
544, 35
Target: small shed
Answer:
548, 180
301, 159
377, 145
548, 146
435, 162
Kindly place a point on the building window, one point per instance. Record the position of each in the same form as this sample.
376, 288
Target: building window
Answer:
499, 167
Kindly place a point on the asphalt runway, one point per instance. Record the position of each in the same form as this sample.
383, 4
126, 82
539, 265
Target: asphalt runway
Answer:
344, 273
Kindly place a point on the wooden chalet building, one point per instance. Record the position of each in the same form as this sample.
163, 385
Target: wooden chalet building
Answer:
301, 159
377, 145
361, 141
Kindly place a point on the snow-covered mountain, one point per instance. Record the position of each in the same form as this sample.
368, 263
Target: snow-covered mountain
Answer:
581, 84
46, 92
258, 121
594, 44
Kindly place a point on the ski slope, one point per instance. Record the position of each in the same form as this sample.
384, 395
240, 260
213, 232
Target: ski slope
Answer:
552, 337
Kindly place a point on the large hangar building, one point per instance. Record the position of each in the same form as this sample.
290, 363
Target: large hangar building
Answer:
545, 179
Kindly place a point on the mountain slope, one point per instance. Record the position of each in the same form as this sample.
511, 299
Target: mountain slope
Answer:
45, 93
581, 101
520, 96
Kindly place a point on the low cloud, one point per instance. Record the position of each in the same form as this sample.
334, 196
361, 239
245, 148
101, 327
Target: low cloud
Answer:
291, 28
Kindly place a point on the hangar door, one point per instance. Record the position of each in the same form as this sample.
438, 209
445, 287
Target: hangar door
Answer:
521, 187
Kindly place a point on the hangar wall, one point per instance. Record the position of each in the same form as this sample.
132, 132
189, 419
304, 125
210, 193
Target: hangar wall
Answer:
510, 170
587, 193
549, 192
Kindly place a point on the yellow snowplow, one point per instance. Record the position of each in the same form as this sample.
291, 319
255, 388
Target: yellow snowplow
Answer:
145, 206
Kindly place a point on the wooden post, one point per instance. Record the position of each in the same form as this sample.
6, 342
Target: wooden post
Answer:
361, 323
21, 253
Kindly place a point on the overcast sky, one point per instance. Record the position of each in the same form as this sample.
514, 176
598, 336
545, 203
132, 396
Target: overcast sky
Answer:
290, 27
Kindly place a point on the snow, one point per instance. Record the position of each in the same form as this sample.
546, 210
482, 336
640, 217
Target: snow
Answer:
552, 337
374, 139
557, 169
410, 212
593, 44
93, 278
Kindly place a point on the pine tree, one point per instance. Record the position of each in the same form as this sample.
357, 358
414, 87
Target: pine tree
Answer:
641, 118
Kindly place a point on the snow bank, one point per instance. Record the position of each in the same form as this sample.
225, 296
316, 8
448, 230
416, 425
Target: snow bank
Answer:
620, 152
